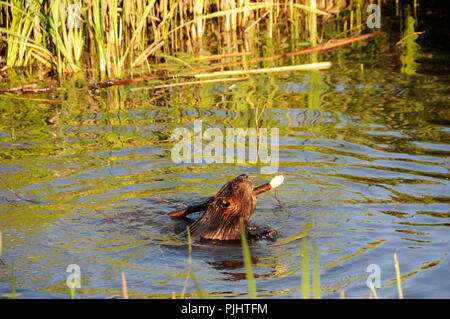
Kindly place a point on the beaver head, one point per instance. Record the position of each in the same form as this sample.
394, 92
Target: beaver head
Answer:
234, 201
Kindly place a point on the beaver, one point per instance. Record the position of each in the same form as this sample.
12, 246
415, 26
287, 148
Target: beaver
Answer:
235, 201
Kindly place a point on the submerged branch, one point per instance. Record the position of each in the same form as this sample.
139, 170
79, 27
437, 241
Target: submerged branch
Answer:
111, 218
112, 82
17, 195
302, 67
235, 79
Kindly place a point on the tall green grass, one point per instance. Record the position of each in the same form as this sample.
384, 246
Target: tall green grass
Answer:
17, 55
111, 36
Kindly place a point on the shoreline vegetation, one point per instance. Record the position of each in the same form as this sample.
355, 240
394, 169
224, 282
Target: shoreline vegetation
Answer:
116, 42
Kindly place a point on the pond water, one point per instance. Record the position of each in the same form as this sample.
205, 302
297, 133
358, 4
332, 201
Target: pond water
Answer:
364, 149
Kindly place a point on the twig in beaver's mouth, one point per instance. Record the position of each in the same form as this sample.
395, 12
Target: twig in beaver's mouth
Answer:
274, 183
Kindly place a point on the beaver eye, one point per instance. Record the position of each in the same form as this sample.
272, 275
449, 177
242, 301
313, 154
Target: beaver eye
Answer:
224, 203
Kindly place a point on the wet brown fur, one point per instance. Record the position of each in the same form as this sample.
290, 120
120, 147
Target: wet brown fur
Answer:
221, 221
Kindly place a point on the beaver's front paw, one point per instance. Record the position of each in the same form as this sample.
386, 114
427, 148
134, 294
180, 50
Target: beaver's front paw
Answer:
270, 234
255, 232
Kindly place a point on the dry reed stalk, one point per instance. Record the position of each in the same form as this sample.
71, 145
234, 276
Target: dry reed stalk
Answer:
374, 292
1, 260
147, 52
397, 274
302, 67
124, 286
313, 23
256, 22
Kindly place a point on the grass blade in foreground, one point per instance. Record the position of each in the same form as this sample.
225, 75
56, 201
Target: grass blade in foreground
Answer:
248, 265
13, 283
316, 276
189, 261
72, 292
1, 261
374, 292
200, 293
305, 271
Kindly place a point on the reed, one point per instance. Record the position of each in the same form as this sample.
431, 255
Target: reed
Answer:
248, 264
67, 36
316, 276
374, 292
305, 271
189, 261
23, 35
13, 283
66, 41
304, 67
17, 55
312, 23
200, 292
1, 260
306, 284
